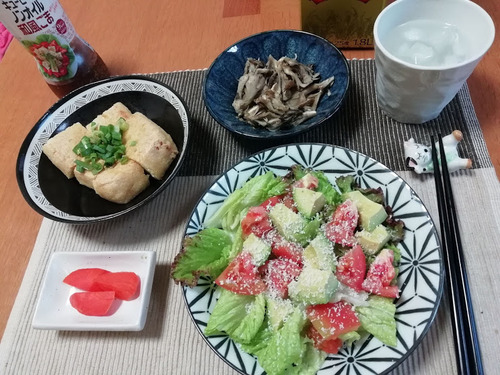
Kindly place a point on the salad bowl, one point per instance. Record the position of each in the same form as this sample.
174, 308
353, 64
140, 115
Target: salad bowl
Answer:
221, 81
54, 196
420, 279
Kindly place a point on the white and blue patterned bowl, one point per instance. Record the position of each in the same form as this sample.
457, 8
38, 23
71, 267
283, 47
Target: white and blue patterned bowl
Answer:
50, 193
221, 81
421, 273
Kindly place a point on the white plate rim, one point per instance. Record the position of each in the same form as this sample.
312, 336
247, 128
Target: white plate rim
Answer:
102, 259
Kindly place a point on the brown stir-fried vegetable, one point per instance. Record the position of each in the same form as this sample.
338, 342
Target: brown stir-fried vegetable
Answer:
279, 93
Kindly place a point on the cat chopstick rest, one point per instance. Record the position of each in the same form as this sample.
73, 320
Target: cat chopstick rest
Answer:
419, 157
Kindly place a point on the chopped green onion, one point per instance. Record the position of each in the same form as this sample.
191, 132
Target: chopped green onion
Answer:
132, 143
103, 148
99, 149
122, 124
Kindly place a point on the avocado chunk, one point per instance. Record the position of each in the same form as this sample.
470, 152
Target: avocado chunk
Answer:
287, 222
313, 286
258, 248
371, 213
373, 241
319, 253
309, 202
278, 311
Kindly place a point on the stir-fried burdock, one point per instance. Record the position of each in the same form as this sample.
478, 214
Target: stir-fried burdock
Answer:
279, 93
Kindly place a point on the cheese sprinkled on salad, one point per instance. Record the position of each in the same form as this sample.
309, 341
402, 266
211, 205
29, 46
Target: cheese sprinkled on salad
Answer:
304, 267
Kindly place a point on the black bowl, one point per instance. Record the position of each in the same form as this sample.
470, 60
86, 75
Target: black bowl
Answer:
46, 188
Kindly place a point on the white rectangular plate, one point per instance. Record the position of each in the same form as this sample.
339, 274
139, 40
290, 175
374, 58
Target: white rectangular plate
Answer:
54, 311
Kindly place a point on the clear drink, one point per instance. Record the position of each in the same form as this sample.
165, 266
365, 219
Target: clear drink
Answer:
427, 43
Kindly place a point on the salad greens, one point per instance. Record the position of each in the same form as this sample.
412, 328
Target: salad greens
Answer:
254, 192
205, 254
292, 333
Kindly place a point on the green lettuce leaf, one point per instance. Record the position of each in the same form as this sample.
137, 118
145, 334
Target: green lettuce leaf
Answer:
240, 316
345, 184
395, 227
332, 196
252, 193
205, 254
285, 346
378, 319
349, 337
312, 360
260, 340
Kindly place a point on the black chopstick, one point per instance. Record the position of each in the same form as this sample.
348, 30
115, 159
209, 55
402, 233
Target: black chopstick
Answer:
468, 354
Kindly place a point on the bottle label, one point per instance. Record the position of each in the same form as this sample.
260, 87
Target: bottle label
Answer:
45, 30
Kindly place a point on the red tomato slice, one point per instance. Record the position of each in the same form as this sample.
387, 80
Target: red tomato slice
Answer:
380, 275
340, 229
256, 221
84, 278
282, 248
124, 284
92, 303
351, 268
278, 273
241, 276
288, 201
333, 319
331, 346
271, 202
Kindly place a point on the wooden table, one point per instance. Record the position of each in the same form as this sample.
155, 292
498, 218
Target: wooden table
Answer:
152, 36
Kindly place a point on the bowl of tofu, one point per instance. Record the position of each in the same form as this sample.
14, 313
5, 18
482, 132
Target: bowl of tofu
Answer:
104, 150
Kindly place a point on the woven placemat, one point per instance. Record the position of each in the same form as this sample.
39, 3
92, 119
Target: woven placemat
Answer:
170, 343
358, 125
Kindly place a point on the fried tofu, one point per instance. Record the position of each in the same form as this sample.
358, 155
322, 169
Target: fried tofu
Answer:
121, 183
59, 149
86, 178
149, 145
112, 115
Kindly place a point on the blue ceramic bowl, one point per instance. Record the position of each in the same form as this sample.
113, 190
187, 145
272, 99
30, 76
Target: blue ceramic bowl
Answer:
221, 81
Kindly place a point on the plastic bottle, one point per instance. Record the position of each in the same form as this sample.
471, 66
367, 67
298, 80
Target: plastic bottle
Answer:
64, 59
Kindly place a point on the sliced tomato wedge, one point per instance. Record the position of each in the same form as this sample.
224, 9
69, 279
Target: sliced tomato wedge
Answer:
288, 201
92, 303
256, 221
351, 268
331, 346
333, 319
242, 276
271, 202
380, 275
340, 228
282, 248
278, 273
84, 278
125, 285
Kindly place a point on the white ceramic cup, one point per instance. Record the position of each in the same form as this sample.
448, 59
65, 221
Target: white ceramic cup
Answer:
414, 93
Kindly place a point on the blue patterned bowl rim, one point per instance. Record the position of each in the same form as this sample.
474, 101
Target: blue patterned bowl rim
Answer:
264, 133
